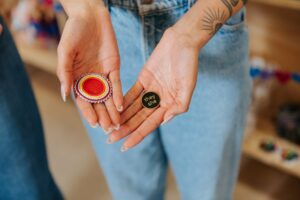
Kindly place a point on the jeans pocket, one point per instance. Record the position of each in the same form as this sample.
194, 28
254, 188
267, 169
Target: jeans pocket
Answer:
227, 51
236, 22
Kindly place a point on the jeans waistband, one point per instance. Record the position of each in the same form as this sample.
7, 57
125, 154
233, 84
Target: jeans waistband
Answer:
146, 5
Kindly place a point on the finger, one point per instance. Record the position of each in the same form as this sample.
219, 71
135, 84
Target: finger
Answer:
87, 111
135, 107
114, 77
149, 125
133, 94
174, 110
113, 113
64, 72
130, 125
171, 113
180, 106
65, 57
103, 117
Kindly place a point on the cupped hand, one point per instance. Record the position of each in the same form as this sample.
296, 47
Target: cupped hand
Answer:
171, 72
88, 45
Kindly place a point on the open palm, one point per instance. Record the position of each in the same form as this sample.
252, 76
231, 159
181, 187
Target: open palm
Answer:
171, 72
88, 45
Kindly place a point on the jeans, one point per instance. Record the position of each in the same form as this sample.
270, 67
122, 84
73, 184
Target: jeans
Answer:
203, 145
24, 172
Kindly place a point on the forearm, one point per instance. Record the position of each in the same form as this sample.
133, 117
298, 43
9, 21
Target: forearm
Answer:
205, 18
81, 7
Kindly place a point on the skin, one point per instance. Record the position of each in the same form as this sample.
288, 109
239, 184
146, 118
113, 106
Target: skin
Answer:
164, 74
172, 63
87, 45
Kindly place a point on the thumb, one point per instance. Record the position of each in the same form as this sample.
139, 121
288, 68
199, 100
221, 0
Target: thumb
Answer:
64, 70
180, 106
174, 110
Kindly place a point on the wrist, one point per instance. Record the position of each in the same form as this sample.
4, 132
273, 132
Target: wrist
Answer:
185, 26
172, 34
82, 8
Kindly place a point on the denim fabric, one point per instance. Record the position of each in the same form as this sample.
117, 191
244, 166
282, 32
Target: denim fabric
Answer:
24, 172
203, 145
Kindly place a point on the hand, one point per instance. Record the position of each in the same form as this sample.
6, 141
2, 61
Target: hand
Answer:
88, 45
171, 72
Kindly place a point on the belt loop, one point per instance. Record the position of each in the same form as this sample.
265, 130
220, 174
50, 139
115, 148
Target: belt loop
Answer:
140, 7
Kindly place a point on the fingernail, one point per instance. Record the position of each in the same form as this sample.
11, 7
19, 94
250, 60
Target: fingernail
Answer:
95, 125
117, 127
124, 148
109, 141
167, 120
63, 94
120, 108
108, 131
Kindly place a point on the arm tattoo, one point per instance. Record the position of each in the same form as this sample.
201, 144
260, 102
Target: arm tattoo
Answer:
232, 3
213, 20
228, 5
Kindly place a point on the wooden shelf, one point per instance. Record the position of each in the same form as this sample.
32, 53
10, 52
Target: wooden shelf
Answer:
252, 148
39, 57
274, 37
291, 4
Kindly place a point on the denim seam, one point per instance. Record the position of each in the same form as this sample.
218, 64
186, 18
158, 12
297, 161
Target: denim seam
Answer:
161, 11
143, 36
151, 11
149, 24
124, 6
189, 4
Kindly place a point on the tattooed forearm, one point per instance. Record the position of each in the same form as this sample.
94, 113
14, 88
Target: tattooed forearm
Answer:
206, 18
213, 20
228, 5
234, 2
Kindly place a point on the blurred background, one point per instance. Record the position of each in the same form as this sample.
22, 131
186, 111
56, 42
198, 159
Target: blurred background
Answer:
270, 167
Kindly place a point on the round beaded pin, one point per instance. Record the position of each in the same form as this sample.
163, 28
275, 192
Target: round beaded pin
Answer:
93, 88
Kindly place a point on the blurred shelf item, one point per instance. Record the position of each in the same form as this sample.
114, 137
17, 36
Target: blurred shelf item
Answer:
43, 58
253, 140
274, 36
292, 4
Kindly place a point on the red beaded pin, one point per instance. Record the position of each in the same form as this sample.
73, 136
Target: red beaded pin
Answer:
93, 88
